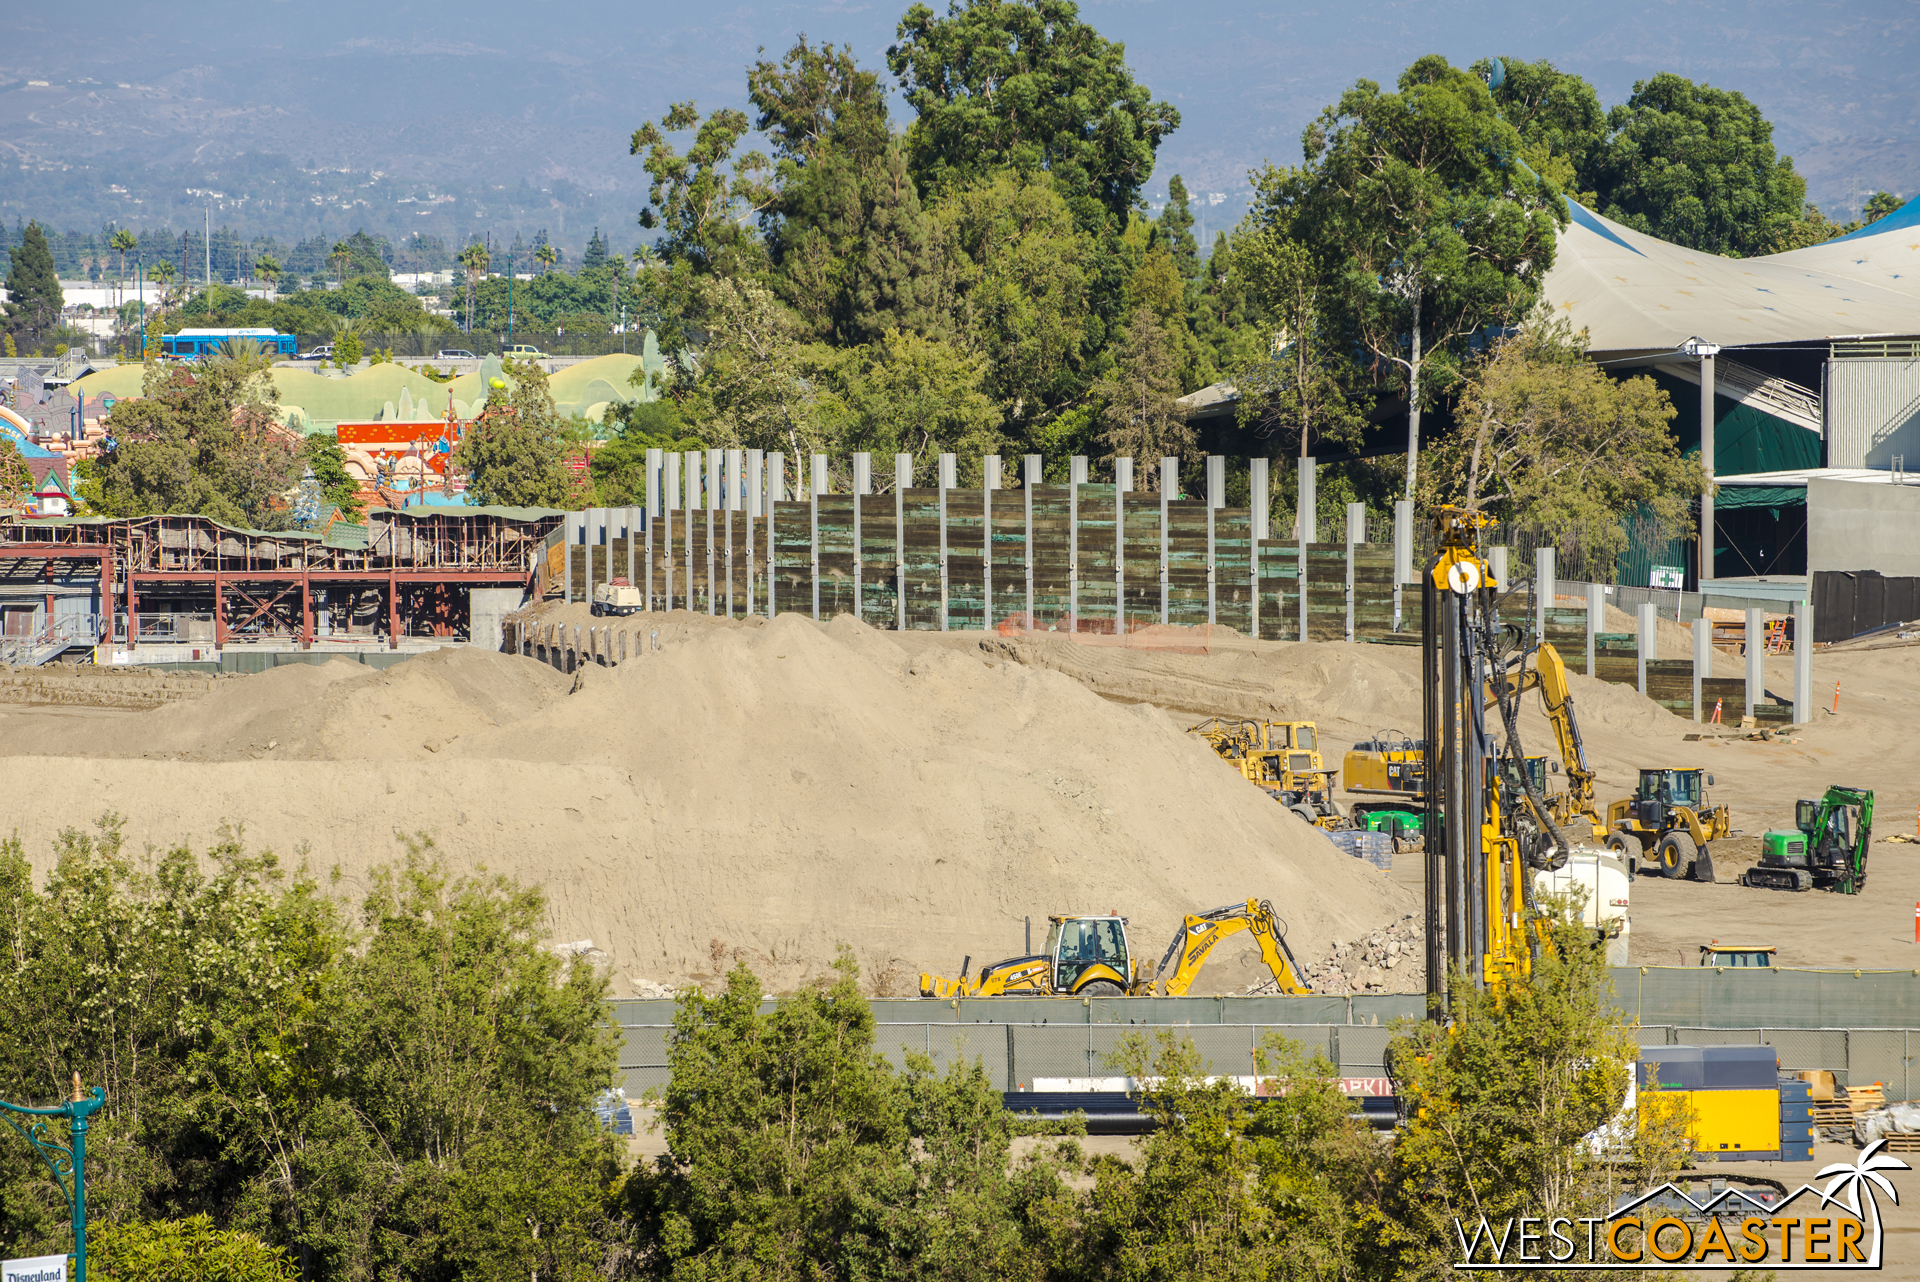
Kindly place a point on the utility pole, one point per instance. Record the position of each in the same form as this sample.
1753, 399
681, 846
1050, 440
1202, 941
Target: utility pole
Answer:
206, 242
1704, 352
509, 298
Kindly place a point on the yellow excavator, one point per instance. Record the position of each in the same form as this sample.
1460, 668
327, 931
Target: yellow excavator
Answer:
1573, 810
1089, 956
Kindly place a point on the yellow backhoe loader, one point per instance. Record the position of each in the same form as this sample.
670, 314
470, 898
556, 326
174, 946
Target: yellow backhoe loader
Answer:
1281, 757
1089, 956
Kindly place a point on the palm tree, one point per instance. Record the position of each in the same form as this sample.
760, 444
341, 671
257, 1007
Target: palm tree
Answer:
267, 268
548, 256
475, 259
163, 273
1850, 1179
123, 242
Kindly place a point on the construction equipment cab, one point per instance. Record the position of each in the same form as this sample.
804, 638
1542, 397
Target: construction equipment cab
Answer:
1085, 956
1719, 954
1828, 848
615, 596
1671, 822
1390, 772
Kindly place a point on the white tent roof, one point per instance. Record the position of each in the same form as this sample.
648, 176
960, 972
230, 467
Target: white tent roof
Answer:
1633, 293
1884, 253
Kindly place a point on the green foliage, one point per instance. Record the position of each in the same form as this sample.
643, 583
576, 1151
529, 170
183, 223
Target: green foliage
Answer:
1298, 388
697, 198
619, 466
1227, 1185
756, 387
515, 452
906, 394
1696, 165
1021, 284
321, 451
16, 478
1500, 1102
189, 1250
1144, 419
1026, 85
354, 1094
796, 1152
34, 299
1879, 205
1560, 121
205, 440
1543, 435
1175, 228
346, 348
1424, 228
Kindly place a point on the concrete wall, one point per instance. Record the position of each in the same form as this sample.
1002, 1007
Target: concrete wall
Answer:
1863, 525
485, 610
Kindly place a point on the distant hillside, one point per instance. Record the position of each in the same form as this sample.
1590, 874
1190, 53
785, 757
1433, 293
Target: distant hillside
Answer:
298, 122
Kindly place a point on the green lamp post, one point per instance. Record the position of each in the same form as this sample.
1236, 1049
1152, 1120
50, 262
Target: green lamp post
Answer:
66, 1163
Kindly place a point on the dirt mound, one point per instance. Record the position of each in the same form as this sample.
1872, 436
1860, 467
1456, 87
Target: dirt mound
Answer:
762, 792
90, 686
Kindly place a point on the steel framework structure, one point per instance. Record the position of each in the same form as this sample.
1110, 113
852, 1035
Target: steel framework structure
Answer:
267, 572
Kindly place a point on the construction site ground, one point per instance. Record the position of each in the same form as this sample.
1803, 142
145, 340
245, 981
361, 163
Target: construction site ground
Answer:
765, 792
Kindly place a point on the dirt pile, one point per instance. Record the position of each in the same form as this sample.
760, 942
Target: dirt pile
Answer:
91, 686
761, 793
1392, 959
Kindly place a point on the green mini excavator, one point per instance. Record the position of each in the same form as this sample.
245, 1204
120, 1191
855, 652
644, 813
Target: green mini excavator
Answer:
1827, 849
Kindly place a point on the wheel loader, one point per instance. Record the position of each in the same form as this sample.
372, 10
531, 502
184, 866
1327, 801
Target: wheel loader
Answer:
1667, 824
1090, 956
1281, 757
1828, 849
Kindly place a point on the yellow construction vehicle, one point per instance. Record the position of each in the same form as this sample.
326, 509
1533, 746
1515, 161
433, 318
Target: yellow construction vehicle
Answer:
1481, 918
1672, 823
1282, 757
1573, 810
1089, 956
1390, 771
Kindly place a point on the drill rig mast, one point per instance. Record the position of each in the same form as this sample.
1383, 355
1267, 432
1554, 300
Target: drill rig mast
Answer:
1481, 919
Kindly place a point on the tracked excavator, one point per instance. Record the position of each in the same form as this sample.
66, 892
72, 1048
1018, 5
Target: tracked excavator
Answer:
1089, 956
1493, 841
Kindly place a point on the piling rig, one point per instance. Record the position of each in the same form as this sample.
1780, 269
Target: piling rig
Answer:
1488, 826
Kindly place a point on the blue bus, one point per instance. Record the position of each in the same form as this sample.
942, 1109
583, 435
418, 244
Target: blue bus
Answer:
193, 344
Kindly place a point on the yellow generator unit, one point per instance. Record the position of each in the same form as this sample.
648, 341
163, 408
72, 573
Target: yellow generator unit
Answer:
1742, 1109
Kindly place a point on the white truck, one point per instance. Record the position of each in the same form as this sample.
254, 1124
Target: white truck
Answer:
616, 596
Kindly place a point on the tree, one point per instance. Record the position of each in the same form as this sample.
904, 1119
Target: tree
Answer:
34, 300
908, 394
1560, 121
1175, 227
321, 451
474, 261
1500, 1102
1144, 418
189, 1250
1696, 166
794, 1151
1545, 436
267, 268
697, 198
619, 466
1026, 85
853, 249
1879, 205
204, 439
1299, 385
515, 452
755, 384
123, 243
1429, 230
16, 478
1228, 1185
1020, 271
546, 256
596, 256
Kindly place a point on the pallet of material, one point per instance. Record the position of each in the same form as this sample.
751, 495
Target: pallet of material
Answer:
1897, 1143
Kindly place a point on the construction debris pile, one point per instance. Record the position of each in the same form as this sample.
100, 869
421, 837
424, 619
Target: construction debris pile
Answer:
1389, 960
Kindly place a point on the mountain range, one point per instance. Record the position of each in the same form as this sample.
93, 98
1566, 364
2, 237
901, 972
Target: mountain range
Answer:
488, 116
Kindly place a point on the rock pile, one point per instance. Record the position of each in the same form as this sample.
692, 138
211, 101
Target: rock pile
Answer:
1390, 960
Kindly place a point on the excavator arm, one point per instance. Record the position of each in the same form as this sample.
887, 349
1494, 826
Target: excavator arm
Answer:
1201, 931
1548, 675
